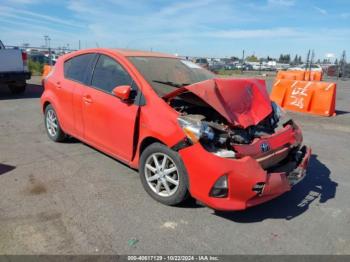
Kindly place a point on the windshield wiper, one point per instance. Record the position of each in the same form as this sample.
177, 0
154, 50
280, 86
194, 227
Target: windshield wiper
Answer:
169, 83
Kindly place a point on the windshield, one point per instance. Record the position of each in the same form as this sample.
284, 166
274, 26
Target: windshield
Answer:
167, 74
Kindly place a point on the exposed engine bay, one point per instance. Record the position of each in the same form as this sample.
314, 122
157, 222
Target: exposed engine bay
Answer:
195, 109
207, 118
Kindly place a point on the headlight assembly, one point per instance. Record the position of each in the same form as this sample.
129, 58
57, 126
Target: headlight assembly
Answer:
195, 130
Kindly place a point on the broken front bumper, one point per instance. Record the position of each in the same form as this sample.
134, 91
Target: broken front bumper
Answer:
244, 176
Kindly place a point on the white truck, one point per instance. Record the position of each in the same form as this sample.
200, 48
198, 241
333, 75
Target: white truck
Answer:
13, 69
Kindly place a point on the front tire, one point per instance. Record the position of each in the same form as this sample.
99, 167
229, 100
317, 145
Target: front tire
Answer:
52, 126
163, 175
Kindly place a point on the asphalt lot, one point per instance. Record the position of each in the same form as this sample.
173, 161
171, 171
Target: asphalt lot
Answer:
67, 198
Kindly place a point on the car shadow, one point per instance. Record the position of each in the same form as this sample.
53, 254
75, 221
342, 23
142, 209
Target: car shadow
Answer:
5, 168
32, 91
190, 203
73, 140
316, 185
341, 112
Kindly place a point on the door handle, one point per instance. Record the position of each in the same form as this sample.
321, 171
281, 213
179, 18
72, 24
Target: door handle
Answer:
58, 84
87, 99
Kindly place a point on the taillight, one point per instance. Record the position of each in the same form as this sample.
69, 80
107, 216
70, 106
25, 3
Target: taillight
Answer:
24, 59
24, 56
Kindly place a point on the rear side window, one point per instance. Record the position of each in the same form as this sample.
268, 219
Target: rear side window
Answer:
109, 74
78, 68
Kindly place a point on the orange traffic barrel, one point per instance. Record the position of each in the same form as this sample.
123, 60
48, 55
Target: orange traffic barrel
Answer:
300, 75
46, 71
305, 96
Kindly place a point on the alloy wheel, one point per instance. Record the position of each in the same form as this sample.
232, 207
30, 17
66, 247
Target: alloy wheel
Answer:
161, 174
51, 122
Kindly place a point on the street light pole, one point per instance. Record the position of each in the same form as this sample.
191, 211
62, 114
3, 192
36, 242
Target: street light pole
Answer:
50, 58
46, 37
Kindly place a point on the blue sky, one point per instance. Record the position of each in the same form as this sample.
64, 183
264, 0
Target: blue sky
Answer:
191, 27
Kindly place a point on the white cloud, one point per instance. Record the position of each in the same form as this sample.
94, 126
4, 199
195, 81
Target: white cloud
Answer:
345, 15
321, 10
286, 3
26, 2
11, 11
183, 26
183, 6
256, 33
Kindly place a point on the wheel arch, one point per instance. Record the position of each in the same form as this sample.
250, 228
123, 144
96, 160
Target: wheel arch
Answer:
45, 104
147, 141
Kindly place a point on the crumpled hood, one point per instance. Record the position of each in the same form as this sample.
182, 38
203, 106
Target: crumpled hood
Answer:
243, 102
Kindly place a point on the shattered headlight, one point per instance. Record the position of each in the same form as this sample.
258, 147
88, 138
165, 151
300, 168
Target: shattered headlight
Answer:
278, 112
195, 130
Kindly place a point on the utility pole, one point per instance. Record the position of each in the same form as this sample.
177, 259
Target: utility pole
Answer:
46, 37
242, 62
307, 59
341, 66
79, 44
311, 62
50, 57
312, 58
47, 45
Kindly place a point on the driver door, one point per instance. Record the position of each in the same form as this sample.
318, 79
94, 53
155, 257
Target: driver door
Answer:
109, 122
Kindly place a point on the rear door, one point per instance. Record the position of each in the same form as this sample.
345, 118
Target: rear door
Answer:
109, 122
77, 71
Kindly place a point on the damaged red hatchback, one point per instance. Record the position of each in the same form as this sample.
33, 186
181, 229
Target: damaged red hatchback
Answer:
188, 132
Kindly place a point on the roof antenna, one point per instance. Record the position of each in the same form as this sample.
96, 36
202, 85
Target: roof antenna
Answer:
97, 45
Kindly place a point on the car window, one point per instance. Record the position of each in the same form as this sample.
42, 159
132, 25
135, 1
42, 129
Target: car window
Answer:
109, 74
78, 68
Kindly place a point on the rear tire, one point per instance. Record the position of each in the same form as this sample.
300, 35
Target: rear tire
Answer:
52, 125
163, 174
17, 88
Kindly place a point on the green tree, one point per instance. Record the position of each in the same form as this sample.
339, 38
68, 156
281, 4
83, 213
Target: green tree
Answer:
284, 58
295, 61
35, 67
300, 61
252, 58
281, 58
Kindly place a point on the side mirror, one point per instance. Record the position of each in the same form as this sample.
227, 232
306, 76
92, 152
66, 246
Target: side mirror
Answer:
122, 92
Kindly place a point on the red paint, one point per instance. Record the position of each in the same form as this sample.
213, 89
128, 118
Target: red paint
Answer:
243, 102
276, 141
242, 174
117, 128
122, 92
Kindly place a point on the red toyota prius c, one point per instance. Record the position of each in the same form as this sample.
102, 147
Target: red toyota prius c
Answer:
188, 132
